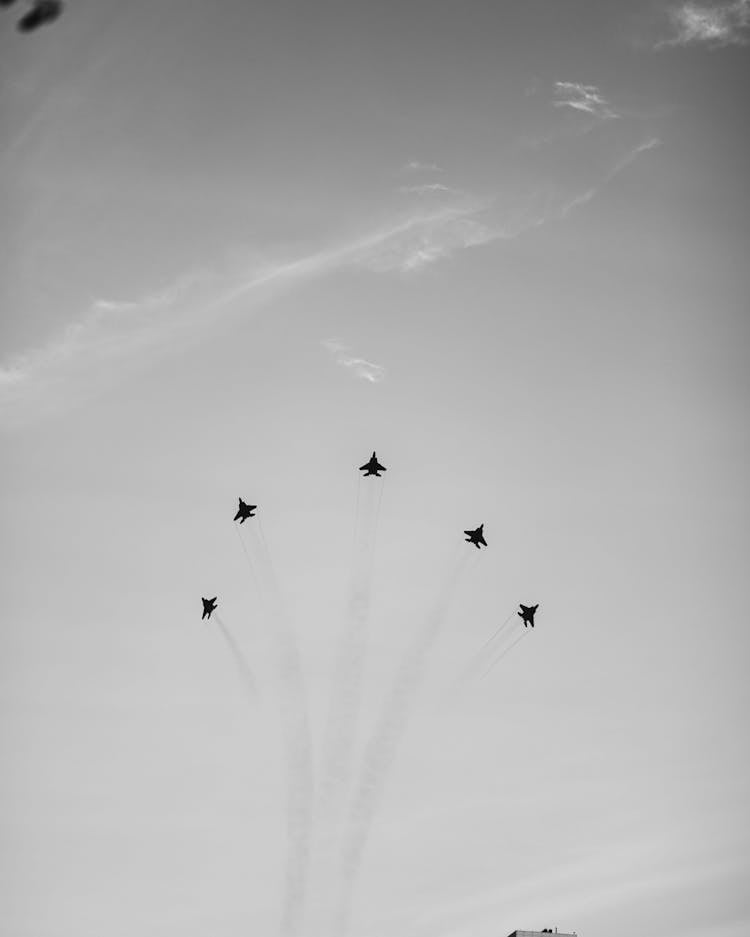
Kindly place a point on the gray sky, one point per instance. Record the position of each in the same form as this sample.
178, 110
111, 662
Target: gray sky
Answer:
506, 246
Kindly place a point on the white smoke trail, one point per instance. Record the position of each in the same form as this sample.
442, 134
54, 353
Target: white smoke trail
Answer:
503, 654
297, 738
381, 749
478, 660
346, 686
243, 668
496, 633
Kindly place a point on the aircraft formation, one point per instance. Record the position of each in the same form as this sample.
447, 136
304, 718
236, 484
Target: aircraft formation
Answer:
371, 467
337, 764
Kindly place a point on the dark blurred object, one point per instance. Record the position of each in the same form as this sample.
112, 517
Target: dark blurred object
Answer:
44, 11
7, 3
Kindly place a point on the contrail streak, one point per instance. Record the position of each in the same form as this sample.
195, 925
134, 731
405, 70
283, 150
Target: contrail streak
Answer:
346, 685
502, 654
349, 667
496, 633
479, 658
243, 668
381, 749
297, 738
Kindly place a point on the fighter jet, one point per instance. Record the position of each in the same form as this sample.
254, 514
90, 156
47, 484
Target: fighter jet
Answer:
209, 605
476, 537
244, 511
373, 467
43, 11
527, 615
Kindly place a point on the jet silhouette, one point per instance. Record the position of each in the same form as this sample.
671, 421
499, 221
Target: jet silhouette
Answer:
209, 605
527, 615
244, 511
43, 11
476, 537
373, 467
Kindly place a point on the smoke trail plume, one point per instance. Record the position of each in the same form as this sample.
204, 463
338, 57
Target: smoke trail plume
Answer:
503, 654
346, 687
381, 749
297, 739
479, 659
243, 668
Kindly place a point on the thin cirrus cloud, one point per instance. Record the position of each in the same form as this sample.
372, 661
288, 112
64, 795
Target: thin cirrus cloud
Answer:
110, 340
357, 367
435, 238
575, 884
713, 26
621, 164
108, 329
430, 188
586, 98
415, 165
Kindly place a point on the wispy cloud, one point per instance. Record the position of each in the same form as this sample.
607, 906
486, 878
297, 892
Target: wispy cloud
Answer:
112, 338
430, 188
621, 164
106, 333
573, 884
434, 239
415, 165
359, 367
714, 26
586, 98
